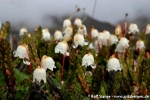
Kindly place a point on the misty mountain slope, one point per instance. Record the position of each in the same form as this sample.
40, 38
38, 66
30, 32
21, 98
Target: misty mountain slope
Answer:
57, 23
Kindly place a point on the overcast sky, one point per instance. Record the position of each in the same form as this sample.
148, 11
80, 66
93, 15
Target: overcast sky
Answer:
32, 11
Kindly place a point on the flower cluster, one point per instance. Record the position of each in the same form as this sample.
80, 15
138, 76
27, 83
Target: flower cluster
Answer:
75, 53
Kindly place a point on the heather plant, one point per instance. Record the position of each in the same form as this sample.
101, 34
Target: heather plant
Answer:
74, 65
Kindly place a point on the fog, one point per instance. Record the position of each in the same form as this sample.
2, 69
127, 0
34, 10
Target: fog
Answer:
32, 13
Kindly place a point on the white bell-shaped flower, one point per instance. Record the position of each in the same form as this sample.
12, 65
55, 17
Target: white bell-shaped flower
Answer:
39, 74
140, 44
94, 45
94, 33
68, 33
91, 45
113, 39
106, 34
113, 64
102, 39
58, 35
78, 22
147, 29
61, 47
88, 60
66, 23
22, 52
133, 28
82, 30
122, 45
46, 34
47, 63
79, 40
118, 30
22, 31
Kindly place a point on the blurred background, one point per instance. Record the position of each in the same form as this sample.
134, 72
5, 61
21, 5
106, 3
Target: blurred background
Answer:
51, 13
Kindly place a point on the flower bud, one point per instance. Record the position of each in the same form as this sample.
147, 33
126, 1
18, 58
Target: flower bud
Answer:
118, 30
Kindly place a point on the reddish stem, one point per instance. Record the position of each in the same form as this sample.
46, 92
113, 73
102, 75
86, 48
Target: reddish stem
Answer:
30, 66
99, 48
124, 31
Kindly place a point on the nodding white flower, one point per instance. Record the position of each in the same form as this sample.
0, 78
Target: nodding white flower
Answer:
88, 60
68, 33
22, 52
140, 45
46, 34
39, 74
22, 31
94, 33
66, 23
78, 22
106, 34
58, 35
61, 47
79, 40
133, 28
102, 39
113, 64
122, 45
147, 29
47, 63
94, 45
91, 45
113, 39
82, 30
118, 30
